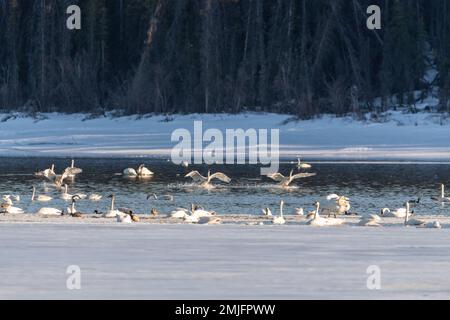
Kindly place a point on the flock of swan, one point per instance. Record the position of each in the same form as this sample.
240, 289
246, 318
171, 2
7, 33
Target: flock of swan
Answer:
325, 214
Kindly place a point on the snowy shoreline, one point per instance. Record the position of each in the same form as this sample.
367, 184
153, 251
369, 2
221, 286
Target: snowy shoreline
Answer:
221, 262
400, 137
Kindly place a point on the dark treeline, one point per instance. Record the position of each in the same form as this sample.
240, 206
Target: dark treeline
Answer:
302, 57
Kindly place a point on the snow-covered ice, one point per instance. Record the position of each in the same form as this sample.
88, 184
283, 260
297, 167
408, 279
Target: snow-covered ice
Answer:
396, 136
222, 262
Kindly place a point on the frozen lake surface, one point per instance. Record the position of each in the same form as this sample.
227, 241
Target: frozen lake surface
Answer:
222, 262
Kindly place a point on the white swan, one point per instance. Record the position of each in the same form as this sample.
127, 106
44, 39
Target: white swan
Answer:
40, 198
210, 220
71, 210
72, 170
65, 195
299, 212
200, 212
318, 221
130, 172
442, 197
49, 212
286, 181
124, 218
8, 207
191, 219
47, 172
412, 222
144, 172
58, 180
280, 219
372, 220
112, 213
16, 198
179, 213
206, 181
336, 205
95, 197
398, 213
303, 165
431, 225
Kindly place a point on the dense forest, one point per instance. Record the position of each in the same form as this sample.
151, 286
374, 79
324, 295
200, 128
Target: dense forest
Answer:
301, 57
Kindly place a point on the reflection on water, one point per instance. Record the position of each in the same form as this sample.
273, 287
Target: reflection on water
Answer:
370, 186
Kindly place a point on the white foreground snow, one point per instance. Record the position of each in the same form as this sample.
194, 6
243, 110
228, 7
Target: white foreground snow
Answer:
154, 261
422, 136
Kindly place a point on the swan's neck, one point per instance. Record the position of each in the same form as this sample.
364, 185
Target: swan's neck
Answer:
34, 194
316, 214
72, 164
281, 209
407, 212
112, 203
73, 207
442, 191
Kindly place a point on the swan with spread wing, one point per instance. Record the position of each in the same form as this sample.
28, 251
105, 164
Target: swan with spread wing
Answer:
206, 181
286, 181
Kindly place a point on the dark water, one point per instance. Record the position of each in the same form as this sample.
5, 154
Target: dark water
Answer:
369, 186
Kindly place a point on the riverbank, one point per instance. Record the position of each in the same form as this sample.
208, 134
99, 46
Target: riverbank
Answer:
395, 135
162, 261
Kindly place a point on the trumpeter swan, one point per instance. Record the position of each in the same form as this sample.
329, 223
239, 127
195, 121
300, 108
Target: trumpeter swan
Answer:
40, 198
398, 213
72, 171
58, 180
82, 196
65, 195
112, 213
191, 219
286, 181
16, 198
318, 221
210, 220
200, 212
47, 172
8, 207
206, 181
95, 197
49, 212
144, 172
141, 172
179, 213
412, 222
372, 220
431, 225
166, 197
335, 205
442, 197
280, 219
303, 165
124, 218
130, 172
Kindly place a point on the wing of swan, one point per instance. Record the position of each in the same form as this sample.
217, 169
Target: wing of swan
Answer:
220, 176
196, 176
